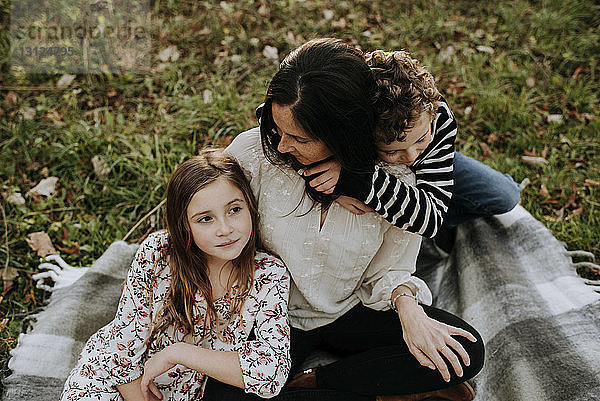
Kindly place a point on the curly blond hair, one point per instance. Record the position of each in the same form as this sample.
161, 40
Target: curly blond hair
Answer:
405, 90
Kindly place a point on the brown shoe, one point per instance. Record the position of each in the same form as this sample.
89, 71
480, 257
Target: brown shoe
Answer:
459, 392
306, 379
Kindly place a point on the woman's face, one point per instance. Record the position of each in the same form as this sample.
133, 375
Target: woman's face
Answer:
294, 140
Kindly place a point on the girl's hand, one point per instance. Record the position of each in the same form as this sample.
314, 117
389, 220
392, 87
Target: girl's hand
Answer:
353, 205
428, 340
326, 181
158, 364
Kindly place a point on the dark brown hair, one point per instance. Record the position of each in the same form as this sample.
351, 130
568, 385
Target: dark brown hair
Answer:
188, 264
331, 93
405, 90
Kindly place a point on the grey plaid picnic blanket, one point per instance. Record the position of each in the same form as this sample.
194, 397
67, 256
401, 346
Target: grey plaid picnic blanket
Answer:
507, 276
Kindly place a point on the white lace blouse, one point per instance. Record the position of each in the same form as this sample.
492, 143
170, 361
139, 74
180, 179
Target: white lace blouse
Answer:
350, 259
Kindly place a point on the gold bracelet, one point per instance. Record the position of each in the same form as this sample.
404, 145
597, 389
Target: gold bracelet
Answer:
403, 294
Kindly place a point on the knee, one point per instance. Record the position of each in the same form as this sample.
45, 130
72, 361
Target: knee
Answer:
508, 195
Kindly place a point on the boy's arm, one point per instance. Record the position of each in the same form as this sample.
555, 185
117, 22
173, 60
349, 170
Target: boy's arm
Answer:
421, 208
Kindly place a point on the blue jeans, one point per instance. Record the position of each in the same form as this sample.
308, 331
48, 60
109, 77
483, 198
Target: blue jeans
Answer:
479, 191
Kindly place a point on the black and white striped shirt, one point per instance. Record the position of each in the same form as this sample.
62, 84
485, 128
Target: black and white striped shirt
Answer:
421, 208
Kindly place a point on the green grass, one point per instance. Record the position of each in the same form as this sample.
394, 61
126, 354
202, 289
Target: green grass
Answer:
145, 125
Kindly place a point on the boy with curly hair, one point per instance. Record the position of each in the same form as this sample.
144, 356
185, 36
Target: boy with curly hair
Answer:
417, 129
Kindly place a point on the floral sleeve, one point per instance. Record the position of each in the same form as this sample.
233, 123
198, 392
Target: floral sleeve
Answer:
265, 361
125, 337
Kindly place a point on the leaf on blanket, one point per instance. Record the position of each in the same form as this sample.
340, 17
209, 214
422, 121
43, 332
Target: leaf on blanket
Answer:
41, 243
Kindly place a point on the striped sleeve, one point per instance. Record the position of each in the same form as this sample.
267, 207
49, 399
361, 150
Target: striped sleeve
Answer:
420, 208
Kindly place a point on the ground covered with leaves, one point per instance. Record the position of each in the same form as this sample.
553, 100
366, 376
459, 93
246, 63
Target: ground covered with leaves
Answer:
521, 77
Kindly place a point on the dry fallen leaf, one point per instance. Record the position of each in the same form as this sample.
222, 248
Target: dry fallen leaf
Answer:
560, 214
207, 96
339, 24
485, 149
485, 49
328, 14
100, 167
73, 249
445, 55
169, 54
492, 138
530, 82
46, 187
28, 113
264, 10
8, 274
564, 139
271, 52
534, 161
41, 243
555, 118
65, 81
16, 199
577, 211
11, 98
544, 191
591, 183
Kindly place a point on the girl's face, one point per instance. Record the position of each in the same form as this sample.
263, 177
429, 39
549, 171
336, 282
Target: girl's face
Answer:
407, 151
295, 140
220, 221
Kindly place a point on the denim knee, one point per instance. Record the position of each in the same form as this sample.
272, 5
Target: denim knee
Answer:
480, 191
510, 194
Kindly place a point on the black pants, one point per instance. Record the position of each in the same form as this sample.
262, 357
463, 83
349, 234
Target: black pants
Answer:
374, 360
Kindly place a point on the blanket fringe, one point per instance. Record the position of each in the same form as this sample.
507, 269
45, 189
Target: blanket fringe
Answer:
581, 254
589, 265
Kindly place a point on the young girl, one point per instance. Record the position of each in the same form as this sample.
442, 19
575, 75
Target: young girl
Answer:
193, 296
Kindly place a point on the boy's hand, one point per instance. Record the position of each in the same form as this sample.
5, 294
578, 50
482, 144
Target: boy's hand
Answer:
329, 174
354, 205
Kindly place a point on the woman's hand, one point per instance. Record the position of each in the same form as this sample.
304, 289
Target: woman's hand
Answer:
328, 177
354, 205
428, 340
158, 364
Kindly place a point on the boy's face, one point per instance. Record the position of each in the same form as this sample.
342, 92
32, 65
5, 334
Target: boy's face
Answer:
406, 151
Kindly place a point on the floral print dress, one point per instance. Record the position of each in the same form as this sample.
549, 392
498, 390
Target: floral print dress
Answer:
116, 353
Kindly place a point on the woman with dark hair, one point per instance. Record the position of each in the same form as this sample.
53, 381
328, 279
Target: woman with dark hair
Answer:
352, 291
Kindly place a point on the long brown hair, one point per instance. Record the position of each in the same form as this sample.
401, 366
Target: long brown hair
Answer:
188, 264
